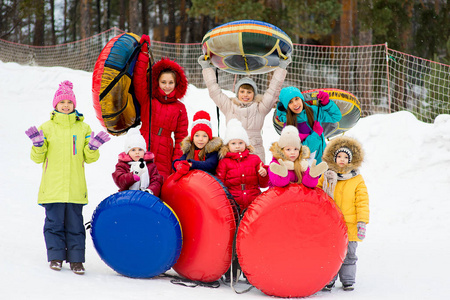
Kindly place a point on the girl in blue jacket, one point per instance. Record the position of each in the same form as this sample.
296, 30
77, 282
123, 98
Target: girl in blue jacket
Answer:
293, 110
200, 149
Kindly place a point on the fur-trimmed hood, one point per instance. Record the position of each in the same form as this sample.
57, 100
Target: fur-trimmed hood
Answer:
258, 99
181, 84
339, 142
277, 153
212, 146
225, 149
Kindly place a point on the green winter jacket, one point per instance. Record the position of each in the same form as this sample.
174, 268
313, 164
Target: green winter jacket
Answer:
63, 155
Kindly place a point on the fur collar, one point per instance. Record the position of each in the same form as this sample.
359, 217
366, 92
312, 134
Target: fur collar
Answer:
225, 149
212, 146
236, 101
343, 141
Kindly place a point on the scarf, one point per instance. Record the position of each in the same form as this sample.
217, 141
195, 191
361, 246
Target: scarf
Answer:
331, 177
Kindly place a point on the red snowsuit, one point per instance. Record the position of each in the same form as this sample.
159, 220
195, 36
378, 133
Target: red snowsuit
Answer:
239, 173
168, 113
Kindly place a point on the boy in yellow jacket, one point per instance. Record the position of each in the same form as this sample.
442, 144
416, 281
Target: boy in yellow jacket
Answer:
346, 186
63, 144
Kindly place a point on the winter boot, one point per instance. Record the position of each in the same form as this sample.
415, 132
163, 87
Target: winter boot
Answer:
328, 287
56, 265
77, 268
348, 287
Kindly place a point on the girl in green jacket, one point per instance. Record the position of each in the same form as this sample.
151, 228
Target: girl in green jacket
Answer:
63, 144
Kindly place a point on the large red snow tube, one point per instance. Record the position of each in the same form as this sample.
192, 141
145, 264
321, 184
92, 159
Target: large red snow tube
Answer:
207, 219
115, 105
291, 241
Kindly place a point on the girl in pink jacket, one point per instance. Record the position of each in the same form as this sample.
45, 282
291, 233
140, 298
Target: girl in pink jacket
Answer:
289, 164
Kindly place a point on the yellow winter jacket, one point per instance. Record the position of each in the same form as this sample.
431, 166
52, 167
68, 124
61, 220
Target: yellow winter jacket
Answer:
352, 198
63, 155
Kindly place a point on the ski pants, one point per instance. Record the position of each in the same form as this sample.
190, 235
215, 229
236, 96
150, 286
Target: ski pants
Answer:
347, 273
64, 232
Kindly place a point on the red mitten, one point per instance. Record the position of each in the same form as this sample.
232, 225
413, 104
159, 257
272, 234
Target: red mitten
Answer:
323, 97
182, 168
317, 128
145, 40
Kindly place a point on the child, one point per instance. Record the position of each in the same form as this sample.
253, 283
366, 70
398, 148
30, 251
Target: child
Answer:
63, 144
289, 163
240, 171
346, 186
200, 148
135, 169
293, 110
249, 107
168, 114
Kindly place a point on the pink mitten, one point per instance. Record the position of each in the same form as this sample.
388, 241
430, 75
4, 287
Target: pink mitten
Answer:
317, 128
309, 181
323, 97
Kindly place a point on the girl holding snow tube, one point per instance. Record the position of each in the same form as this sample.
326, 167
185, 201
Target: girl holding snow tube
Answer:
162, 112
293, 110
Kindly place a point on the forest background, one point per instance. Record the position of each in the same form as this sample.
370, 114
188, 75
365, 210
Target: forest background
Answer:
417, 27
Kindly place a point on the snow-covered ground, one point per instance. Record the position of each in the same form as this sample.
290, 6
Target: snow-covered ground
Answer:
405, 255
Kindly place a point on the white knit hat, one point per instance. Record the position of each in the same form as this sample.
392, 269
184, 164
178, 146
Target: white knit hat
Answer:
289, 137
134, 139
235, 131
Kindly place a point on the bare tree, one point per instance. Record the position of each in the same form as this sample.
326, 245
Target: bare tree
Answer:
172, 21
39, 26
52, 20
122, 11
99, 15
133, 16
145, 16
85, 28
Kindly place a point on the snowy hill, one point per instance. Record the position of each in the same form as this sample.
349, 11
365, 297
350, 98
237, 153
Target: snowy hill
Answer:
407, 172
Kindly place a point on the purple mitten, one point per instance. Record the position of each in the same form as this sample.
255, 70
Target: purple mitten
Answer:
323, 97
96, 141
37, 137
317, 128
361, 230
309, 181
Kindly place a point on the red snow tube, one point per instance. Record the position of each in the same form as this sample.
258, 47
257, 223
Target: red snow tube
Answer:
114, 103
207, 219
291, 241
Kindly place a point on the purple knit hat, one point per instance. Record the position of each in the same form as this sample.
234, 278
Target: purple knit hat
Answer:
64, 92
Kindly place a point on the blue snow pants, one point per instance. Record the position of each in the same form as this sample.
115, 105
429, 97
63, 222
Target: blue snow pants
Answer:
64, 232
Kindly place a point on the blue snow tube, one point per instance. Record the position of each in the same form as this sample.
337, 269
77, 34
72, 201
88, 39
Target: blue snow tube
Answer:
136, 234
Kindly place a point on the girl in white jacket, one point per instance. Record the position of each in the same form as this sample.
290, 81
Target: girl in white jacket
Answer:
248, 106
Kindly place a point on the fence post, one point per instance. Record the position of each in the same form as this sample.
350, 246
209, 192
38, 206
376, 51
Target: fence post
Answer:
387, 75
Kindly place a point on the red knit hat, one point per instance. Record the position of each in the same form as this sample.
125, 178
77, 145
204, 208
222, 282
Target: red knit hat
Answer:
202, 121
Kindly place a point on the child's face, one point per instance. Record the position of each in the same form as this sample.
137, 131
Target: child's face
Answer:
136, 153
200, 139
296, 105
342, 159
245, 95
291, 152
236, 146
167, 82
65, 107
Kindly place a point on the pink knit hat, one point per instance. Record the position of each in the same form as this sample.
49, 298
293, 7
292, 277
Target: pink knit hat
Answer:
64, 92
